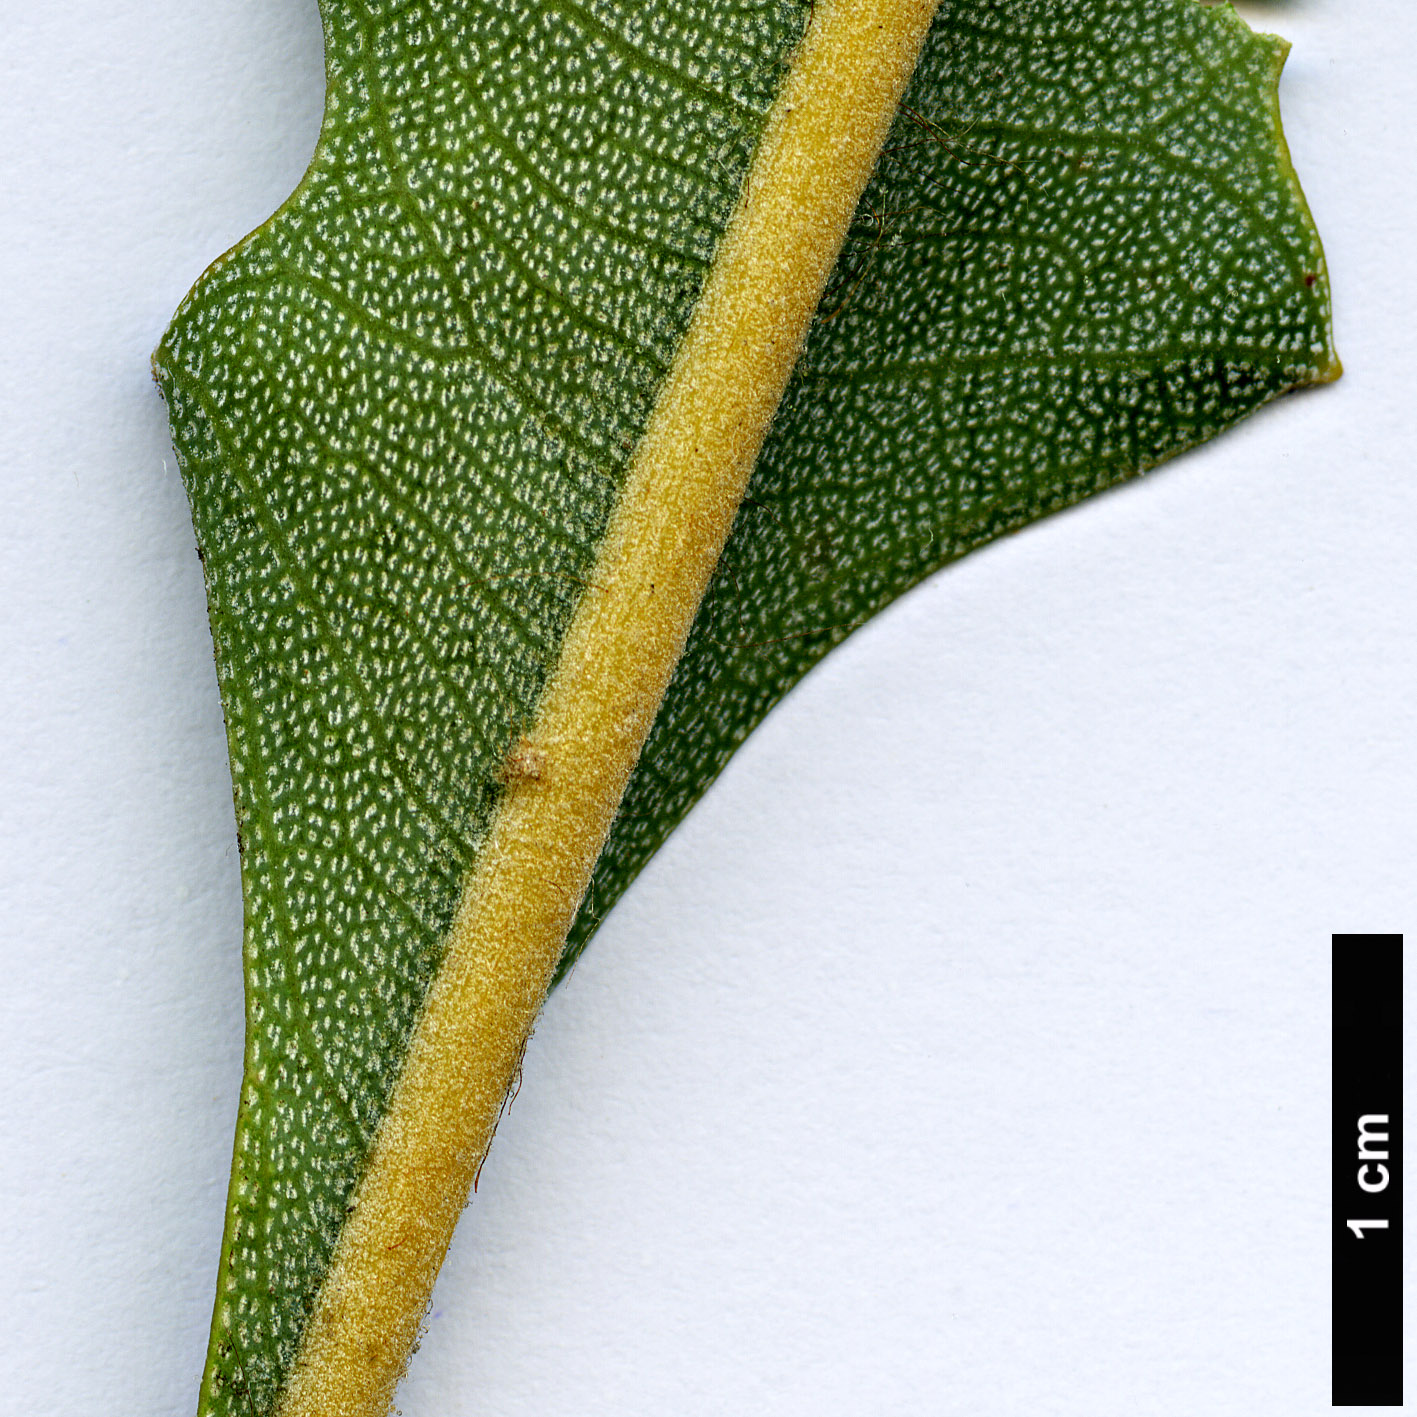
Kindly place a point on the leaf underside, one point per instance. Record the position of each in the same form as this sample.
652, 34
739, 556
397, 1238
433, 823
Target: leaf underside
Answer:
404, 407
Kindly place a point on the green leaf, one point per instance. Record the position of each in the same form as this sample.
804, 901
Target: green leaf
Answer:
1084, 252
404, 410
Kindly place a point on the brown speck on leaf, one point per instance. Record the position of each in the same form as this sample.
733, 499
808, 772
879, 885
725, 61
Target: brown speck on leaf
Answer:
525, 763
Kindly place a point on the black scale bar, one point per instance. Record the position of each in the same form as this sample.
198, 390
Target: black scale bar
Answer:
1367, 1170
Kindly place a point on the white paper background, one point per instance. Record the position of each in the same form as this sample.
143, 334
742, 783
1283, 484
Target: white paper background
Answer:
966, 1051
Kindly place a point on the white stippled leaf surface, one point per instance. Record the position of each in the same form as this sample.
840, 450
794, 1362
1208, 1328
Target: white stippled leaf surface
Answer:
404, 405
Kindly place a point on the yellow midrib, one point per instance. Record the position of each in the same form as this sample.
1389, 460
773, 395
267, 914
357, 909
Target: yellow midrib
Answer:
685, 482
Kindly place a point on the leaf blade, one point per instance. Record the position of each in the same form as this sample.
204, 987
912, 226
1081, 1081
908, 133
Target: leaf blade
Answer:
464, 298
774, 611
399, 461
